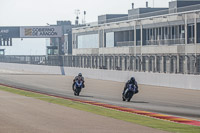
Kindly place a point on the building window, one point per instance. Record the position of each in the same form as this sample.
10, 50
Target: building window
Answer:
110, 39
88, 41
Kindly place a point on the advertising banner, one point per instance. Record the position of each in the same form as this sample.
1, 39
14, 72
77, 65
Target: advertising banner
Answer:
40, 31
9, 32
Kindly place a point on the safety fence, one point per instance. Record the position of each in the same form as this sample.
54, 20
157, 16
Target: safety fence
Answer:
182, 64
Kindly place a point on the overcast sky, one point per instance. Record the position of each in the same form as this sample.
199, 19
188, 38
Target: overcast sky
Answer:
41, 12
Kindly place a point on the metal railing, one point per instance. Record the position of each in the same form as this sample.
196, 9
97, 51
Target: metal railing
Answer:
125, 43
189, 64
155, 42
165, 42
190, 40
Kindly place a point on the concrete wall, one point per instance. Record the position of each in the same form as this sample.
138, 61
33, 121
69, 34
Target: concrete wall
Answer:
157, 79
31, 68
152, 49
86, 51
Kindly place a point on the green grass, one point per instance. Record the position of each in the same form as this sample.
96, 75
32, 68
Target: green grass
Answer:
133, 118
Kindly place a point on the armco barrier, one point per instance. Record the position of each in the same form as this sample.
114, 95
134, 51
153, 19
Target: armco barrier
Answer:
157, 79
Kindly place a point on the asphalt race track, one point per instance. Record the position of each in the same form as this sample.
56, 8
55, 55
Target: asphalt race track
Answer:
172, 101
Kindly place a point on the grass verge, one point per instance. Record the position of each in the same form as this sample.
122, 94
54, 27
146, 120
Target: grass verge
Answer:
133, 118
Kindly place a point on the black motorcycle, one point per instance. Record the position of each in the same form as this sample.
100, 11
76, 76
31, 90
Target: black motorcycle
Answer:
129, 92
77, 87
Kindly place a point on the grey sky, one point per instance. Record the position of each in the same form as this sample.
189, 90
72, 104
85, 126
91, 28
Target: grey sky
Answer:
41, 12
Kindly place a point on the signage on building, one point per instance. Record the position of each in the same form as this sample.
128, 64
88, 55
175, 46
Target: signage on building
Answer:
9, 32
40, 31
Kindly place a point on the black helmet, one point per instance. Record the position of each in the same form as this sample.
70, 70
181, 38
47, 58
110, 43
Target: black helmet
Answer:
80, 74
132, 79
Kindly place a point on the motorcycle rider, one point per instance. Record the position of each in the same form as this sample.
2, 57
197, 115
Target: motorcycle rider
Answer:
77, 78
133, 82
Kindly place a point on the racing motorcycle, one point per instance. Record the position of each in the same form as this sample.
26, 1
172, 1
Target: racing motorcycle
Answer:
129, 92
77, 87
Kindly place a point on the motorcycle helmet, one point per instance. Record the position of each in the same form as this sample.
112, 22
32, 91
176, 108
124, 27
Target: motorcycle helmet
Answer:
80, 74
132, 79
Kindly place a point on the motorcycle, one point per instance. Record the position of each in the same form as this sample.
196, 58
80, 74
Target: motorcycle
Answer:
77, 87
129, 92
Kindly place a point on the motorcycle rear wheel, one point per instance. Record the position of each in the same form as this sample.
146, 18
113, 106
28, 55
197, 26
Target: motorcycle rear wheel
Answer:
129, 100
123, 99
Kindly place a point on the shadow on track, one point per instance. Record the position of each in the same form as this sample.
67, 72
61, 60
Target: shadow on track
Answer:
85, 96
138, 102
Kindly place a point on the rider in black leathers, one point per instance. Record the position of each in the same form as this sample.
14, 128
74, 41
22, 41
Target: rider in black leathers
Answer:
133, 82
76, 78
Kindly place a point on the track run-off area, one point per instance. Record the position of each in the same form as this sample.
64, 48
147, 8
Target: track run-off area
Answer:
173, 104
